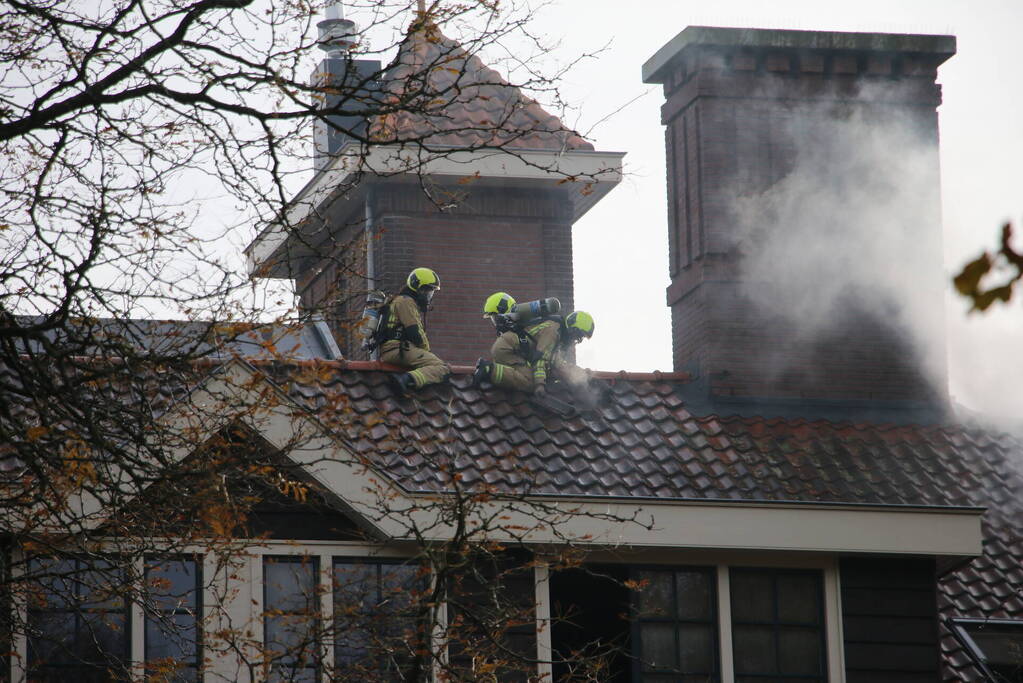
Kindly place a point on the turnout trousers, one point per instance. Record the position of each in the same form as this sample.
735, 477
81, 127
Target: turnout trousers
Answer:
424, 367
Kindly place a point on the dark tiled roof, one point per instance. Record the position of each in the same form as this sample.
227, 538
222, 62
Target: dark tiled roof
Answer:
180, 339
454, 100
646, 443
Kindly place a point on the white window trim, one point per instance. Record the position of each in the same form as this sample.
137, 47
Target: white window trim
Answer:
326, 580
833, 615
19, 662
438, 639
725, 624
544, 646
832, 627
137, 626
136, 621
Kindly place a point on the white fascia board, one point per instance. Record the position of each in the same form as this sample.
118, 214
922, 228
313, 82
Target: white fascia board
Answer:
576, 166
339, 174
591, 174
775, 526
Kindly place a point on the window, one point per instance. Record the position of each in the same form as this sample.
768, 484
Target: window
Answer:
290, 618
995, 645
676, 625
777, 625
377, 631
172, 636
77, 621
491, 626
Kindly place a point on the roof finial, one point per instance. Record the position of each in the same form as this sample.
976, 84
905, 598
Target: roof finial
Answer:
337, 34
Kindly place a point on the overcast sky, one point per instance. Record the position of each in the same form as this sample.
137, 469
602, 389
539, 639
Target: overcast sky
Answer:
620, 245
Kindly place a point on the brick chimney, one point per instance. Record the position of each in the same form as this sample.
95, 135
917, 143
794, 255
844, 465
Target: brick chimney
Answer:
485, 219
753, 119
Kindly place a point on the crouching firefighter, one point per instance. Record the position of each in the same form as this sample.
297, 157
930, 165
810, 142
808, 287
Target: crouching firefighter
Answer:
402, 335
523, 356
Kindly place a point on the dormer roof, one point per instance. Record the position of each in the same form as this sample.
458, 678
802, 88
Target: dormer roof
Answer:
461, 102
456, 121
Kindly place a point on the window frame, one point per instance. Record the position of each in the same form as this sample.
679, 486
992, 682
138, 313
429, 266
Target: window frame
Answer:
957, 626
710, 572
317, 617
199, 587
326, 551
126, 611
776, 625
378, 564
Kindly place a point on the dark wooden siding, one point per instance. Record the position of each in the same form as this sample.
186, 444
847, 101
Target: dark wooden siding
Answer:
889, 620
301, 523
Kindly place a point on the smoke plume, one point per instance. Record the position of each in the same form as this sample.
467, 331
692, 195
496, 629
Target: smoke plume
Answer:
853, 227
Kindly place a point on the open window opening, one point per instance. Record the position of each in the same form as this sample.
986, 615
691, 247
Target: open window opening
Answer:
590, 623
994, 645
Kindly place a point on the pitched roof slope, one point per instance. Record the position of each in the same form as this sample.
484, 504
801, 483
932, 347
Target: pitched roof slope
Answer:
645, 443
450, 98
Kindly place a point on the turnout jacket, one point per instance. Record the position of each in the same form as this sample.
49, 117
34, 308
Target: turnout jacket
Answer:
405, 322
539, 351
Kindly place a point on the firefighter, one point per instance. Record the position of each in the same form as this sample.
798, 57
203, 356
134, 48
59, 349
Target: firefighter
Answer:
404, 341
523, 357
496, 308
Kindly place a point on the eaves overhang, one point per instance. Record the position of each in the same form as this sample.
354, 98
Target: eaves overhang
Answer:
939, 531
584, 176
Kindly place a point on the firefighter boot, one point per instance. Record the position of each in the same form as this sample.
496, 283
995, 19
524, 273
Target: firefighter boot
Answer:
482, 372
403, 383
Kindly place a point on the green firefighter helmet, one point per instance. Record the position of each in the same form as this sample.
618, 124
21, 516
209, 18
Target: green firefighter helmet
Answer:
579, 325
498, 303
422, 277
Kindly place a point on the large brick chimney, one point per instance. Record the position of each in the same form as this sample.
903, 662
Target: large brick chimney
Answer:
744, 108
434, 190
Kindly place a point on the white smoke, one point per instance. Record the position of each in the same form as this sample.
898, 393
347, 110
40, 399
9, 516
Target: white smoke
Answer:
855, 223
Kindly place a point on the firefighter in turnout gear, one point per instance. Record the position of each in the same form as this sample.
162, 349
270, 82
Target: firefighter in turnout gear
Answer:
403, 337
524, 356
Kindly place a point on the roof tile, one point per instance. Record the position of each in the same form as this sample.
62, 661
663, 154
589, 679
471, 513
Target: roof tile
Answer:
461, 102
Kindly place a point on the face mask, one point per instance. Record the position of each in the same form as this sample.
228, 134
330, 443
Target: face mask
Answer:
429, 294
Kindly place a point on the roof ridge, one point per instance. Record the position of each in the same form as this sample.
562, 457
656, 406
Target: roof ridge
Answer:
375, 365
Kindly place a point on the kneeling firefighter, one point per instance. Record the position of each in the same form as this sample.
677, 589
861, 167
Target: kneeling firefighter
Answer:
524, 354
402, 335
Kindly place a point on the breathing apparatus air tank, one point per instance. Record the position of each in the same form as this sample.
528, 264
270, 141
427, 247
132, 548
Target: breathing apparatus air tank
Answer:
371, 315
520, 314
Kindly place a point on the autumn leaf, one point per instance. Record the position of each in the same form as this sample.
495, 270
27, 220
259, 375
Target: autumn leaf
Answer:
36, 433
968, 280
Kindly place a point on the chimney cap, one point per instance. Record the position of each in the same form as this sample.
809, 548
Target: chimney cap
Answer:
655, 70
337, 34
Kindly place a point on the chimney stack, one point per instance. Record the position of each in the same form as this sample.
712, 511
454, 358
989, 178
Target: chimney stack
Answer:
767, 129
345, 81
